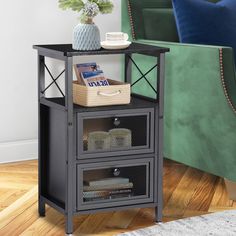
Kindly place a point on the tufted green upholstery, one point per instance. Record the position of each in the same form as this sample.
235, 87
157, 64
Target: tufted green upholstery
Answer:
200, 114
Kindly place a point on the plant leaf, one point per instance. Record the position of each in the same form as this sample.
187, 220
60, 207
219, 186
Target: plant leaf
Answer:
75, 5
105, 6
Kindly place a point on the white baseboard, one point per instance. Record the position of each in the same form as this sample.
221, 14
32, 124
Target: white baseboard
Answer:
18, 151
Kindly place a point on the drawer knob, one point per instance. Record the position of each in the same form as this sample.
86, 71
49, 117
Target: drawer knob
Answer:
116, 121
116, 172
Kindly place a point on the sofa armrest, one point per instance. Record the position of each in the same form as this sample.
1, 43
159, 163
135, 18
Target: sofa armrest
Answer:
199, 117
201, 60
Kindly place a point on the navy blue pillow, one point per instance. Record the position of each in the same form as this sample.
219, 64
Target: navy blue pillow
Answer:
203, 22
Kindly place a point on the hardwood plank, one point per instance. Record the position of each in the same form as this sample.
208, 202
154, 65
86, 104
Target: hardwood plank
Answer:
192, 213
203, 194
113, 224
171, 177
220, 197
19, 167
43, 224
221, 208
9, 214
18, 177
102, 228
17, 186
181, 197
122, 219
8, 196
171, 162
22, 221
92, 224
59, 228
144, 218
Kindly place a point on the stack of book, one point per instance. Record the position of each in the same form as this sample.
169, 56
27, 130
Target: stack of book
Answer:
89, 74
108, 188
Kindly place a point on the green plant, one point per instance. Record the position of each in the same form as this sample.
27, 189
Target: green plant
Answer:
88, 8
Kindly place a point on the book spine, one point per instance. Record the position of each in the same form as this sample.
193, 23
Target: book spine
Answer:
91, 66
124, 195
78, 76
105, 193
94, 78
102, 194
108, 187
109, 182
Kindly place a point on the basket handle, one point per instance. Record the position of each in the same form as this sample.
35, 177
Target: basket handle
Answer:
109, 94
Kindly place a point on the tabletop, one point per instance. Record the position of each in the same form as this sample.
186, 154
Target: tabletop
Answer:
67, 50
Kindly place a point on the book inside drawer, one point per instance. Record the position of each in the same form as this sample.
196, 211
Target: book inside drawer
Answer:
115, 183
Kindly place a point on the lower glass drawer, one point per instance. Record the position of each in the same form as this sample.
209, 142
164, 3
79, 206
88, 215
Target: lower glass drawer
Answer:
116, 183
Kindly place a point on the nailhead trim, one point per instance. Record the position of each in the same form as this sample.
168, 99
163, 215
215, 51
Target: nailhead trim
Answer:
131, 20
223, 81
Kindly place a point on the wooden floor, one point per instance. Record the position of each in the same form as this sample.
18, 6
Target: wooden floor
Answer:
187, 192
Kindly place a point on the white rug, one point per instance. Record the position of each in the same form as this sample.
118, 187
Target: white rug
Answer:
216, 224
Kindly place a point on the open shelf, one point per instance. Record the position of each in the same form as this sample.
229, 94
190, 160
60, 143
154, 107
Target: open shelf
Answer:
59, 103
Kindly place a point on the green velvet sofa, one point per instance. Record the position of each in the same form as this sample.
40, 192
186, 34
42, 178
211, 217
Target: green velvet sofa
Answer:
200, 89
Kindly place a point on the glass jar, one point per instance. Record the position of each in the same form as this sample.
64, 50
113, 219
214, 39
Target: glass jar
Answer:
120, 138
98, 140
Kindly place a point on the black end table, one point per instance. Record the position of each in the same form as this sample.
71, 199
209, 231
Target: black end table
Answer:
66, 166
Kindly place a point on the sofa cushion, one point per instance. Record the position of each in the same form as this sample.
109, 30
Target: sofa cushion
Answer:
203, 22
150, 18
159, 24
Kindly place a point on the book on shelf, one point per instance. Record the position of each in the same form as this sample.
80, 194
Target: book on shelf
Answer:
108, 187
90, 75
123, 195
97, 194
103, 195
107, 181
94, 78
79, 68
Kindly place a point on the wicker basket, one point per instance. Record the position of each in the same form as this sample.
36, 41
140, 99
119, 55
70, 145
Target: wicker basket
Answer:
115, 94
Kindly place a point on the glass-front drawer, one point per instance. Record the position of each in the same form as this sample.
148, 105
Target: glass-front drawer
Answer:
115, 183
115, 134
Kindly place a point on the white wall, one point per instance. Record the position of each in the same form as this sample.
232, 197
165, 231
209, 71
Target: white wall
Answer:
22, 24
